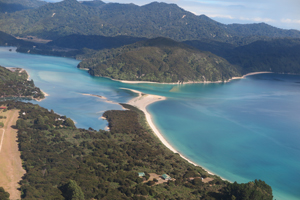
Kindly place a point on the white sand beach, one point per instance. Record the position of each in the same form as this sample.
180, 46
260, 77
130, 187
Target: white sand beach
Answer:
141, 102
45, 94
191, 82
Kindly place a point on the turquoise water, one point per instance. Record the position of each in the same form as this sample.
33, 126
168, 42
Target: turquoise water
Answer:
243, 130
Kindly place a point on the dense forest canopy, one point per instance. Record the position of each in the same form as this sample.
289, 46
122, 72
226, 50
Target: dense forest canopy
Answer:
275, 55
159, 60
55, 20
14, 83
63, 162
8, 6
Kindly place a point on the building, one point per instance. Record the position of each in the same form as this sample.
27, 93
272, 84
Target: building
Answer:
3, 107
166, 177
141, 174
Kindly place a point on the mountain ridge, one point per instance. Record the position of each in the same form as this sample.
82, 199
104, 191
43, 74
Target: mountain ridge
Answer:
113, 19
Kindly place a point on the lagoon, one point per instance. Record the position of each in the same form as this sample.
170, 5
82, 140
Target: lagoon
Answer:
242, 130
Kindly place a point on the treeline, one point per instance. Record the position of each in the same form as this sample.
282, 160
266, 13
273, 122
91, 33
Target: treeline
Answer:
15, 84
3, 194
63, 162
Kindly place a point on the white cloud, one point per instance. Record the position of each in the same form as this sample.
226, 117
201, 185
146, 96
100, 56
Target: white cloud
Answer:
257, 19
290, 21
220, 16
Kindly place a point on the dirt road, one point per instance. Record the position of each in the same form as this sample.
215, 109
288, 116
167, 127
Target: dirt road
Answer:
11, 169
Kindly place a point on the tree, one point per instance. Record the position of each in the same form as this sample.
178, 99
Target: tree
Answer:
1, 124
21, 124
72, 191
69, 122
3, 194
40, 120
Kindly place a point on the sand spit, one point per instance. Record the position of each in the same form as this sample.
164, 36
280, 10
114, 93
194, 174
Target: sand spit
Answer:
191, 82
104, 99
141, 102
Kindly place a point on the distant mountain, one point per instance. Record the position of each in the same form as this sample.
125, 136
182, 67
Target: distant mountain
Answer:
261, 29
68, 17
96, 42
276, 55
94, 3
159, 60
17, 5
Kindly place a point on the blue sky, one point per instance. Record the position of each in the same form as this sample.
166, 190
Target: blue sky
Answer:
280, 13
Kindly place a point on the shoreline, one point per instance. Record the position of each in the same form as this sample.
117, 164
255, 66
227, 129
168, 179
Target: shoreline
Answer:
141, 102
13, 69
191, 82
45, 95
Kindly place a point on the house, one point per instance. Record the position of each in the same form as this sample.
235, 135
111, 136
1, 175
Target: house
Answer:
3, 107
141, 174
166, 177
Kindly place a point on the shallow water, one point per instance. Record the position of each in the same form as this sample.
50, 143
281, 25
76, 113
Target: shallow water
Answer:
243, 130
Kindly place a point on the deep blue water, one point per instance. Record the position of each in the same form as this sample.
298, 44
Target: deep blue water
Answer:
243, 130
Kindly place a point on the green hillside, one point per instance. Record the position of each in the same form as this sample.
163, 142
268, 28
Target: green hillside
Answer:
276, 55
159, 60
17, 5
68, 17
93, 41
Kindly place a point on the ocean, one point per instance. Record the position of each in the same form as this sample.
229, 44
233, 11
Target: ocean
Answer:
242, 130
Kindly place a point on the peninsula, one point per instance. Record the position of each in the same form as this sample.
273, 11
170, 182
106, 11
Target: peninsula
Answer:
14, 82
159, 60
141, 102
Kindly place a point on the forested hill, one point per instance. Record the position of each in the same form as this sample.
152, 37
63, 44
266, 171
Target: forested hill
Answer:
275, 55
93, 41
9, 40
55, 20
17, 5
158, 60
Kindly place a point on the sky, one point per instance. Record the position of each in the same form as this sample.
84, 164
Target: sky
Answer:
279, 13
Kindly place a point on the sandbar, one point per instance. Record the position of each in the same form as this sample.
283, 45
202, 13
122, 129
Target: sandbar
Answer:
191, 82
141, 102
250, 74
104, 99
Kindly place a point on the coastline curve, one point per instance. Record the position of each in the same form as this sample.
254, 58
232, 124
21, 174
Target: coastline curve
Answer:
141, 102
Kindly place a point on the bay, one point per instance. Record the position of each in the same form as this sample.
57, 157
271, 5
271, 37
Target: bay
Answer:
243, 130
